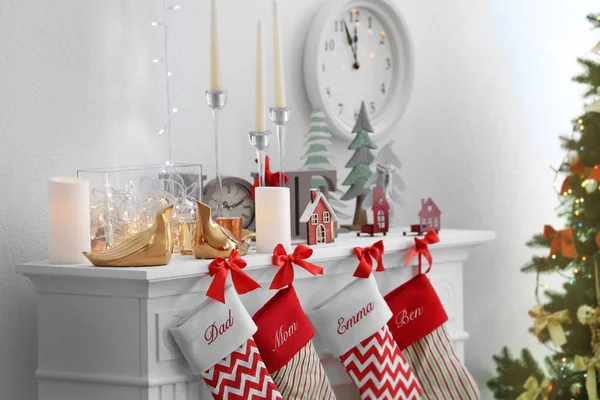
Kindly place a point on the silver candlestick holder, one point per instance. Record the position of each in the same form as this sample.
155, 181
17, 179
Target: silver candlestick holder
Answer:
216, 100
260, 140
280, 117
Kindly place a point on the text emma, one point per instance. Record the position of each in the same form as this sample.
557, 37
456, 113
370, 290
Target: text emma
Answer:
345, 324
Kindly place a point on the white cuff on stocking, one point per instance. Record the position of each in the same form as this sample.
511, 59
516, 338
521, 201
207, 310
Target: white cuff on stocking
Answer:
351, 315
213, 330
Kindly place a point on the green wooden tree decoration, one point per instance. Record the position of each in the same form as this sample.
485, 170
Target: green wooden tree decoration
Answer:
317, 158
360, 162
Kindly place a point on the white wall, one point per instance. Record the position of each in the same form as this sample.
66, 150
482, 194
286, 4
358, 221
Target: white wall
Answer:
492, 93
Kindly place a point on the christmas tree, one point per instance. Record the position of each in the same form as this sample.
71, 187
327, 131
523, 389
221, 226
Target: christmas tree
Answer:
317, 158
360, 161
567, 321
386, 175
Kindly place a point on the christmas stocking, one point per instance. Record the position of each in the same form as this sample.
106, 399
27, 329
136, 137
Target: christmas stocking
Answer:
216, 340
353, 324
284, 339
418, 328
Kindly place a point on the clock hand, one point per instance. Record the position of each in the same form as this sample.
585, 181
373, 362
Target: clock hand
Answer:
356, 64
240, 202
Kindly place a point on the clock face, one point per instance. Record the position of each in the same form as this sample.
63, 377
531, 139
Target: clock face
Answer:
236, 199
359, 51
357, 62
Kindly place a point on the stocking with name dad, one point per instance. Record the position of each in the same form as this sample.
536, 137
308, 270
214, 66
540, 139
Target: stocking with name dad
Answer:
353, 325
284, 333
216, 338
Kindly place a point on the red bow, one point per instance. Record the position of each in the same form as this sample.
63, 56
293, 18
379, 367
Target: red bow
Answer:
421, 249
562, 242
366, 256
285, 275
220, 267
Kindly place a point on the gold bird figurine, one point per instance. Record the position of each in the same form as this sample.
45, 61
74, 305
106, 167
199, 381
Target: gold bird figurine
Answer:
212, 240
152, 247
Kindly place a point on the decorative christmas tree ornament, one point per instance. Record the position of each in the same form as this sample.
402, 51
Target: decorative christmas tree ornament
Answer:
381, 216
318, 158
216, 341
553, 322
534, 390
353, 325
361, 173
280, 116
212, 240
319, 219
576, 388
386, 175
365, 256
285, 275
591, 186
418, 328
422, 250
151, 247
284, 339
562, 242
589, 366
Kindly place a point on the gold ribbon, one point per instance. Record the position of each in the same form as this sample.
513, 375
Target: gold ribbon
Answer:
533, 389
553, 322
590, 366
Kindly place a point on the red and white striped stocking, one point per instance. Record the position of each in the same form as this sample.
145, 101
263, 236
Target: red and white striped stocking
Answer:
216, 340
418, 328
284, 338
352, 323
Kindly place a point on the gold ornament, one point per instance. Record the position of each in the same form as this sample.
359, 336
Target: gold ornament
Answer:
552, 322
211, 240
590, 316
590, 366
534, 391
154, 246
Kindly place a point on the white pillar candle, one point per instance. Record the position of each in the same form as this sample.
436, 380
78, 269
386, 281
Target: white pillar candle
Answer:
214, 48
260, 80
278, 57
69, 227
272, 218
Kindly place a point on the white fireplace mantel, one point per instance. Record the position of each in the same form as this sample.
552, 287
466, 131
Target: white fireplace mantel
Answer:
103, 332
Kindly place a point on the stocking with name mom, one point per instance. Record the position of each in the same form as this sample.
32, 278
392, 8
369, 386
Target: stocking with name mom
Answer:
418, 327
216, 338
353, 325
284, 335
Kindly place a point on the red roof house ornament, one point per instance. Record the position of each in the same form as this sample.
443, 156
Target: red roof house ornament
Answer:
381, 214
430, 217
319, 219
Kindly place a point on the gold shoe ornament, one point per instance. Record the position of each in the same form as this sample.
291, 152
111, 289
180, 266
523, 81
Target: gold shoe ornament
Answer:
212, 240
154, 246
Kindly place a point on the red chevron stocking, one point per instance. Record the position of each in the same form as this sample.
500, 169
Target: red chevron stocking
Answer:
418, 328
284, 337
216, 340
352, 323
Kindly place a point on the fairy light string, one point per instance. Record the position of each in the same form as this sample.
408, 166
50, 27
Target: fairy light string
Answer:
167, 10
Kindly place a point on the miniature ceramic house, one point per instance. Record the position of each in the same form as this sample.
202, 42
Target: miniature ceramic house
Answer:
381, 214
319, 219
429, 216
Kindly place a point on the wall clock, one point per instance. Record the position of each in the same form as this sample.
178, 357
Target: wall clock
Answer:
236, 197
359, 50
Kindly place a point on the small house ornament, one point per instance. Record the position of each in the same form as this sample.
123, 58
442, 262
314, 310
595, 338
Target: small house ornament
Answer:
381, 214
319, 218
429, 218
